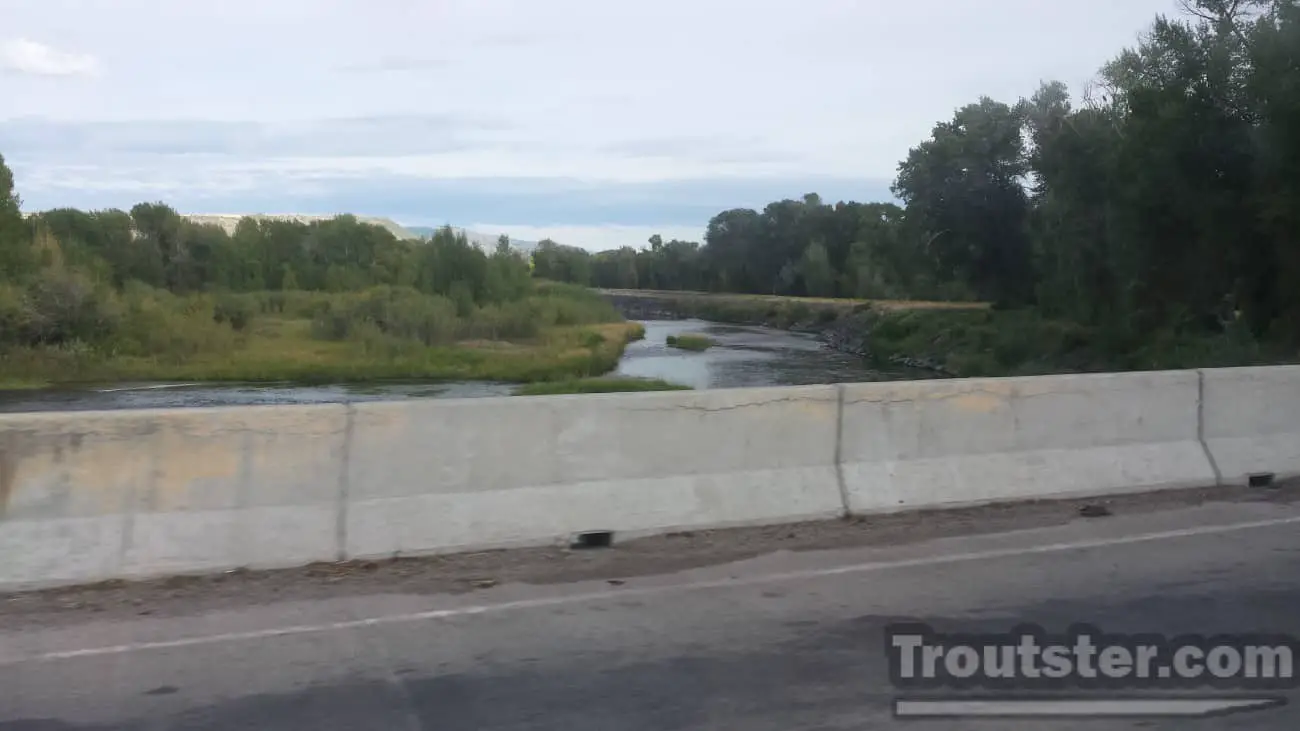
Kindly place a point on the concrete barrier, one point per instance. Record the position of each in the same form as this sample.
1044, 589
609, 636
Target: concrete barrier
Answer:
1252, 421
971, 441
92, 496
446, 475
87, 496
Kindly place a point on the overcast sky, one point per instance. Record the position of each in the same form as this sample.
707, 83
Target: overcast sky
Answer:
594, 122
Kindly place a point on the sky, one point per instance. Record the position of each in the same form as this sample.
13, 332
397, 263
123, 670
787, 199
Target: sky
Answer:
591, 122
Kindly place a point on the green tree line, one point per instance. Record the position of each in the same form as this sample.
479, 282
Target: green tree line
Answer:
154, 245
1164, 197
61, 271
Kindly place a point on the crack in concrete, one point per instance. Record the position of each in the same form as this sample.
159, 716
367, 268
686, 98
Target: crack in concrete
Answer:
344, 486
839, 451
8, 477
734, 407
1200, 427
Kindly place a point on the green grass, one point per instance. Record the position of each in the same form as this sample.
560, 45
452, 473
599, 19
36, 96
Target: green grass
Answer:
558, 333
284, 351
598, 385
20, 384
690, 342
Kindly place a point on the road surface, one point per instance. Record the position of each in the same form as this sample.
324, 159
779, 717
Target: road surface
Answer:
780, 640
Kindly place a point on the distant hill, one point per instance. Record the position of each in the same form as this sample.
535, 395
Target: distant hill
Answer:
229, 221
479, 239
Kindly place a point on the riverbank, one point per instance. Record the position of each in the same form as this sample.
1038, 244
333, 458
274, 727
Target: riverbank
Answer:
956, 339
843, 325
997, 343
559, 333
805, 314
282, 351
598, 384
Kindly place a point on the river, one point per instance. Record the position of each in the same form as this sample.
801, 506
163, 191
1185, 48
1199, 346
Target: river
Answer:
741, 357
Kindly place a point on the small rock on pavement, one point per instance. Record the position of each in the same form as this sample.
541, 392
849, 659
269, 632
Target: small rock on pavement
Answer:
1094, 510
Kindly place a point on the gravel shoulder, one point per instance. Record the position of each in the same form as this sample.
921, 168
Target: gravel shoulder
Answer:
460, 573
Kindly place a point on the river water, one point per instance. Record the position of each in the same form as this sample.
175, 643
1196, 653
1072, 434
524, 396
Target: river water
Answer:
740, 357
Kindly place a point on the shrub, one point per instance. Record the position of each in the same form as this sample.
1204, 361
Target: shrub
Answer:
61, 306
515, 320
157, 323
689, 342
237, 310
13, 314
397, 312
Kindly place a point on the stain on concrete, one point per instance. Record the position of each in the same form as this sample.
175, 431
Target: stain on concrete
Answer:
978, 402
8, 476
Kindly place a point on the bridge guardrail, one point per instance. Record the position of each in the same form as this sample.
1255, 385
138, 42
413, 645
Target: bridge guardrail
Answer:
90, 496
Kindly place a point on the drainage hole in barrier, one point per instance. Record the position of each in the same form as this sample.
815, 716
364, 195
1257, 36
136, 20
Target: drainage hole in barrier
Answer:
1261, 479
593, 539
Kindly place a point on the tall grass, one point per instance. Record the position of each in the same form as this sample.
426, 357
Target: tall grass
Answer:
142, 333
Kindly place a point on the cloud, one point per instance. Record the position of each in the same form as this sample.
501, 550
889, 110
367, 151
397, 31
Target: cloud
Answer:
509, 40
598, 119
712, 148
25, 56
396, 64
396, 135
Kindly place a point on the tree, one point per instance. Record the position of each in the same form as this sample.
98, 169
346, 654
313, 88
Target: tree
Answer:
561, 263
288, 279
963, 185
16, 260
507, 276
815, 269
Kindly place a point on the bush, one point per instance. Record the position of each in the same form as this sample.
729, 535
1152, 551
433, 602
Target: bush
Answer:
515, 320
59, 306
13, 314
237, 310
562, 311
689, 342
462, 295
397, 312
157, 323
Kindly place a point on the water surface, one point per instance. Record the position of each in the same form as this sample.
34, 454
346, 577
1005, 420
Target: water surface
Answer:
741, 357
185, 395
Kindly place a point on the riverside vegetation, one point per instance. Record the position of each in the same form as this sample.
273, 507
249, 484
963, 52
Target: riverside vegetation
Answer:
1152, 221
147, 295
690, 342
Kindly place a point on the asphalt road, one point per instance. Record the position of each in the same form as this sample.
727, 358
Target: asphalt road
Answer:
784, 641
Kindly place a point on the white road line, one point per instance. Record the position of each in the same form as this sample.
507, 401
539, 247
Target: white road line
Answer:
1079, 707
596, 596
